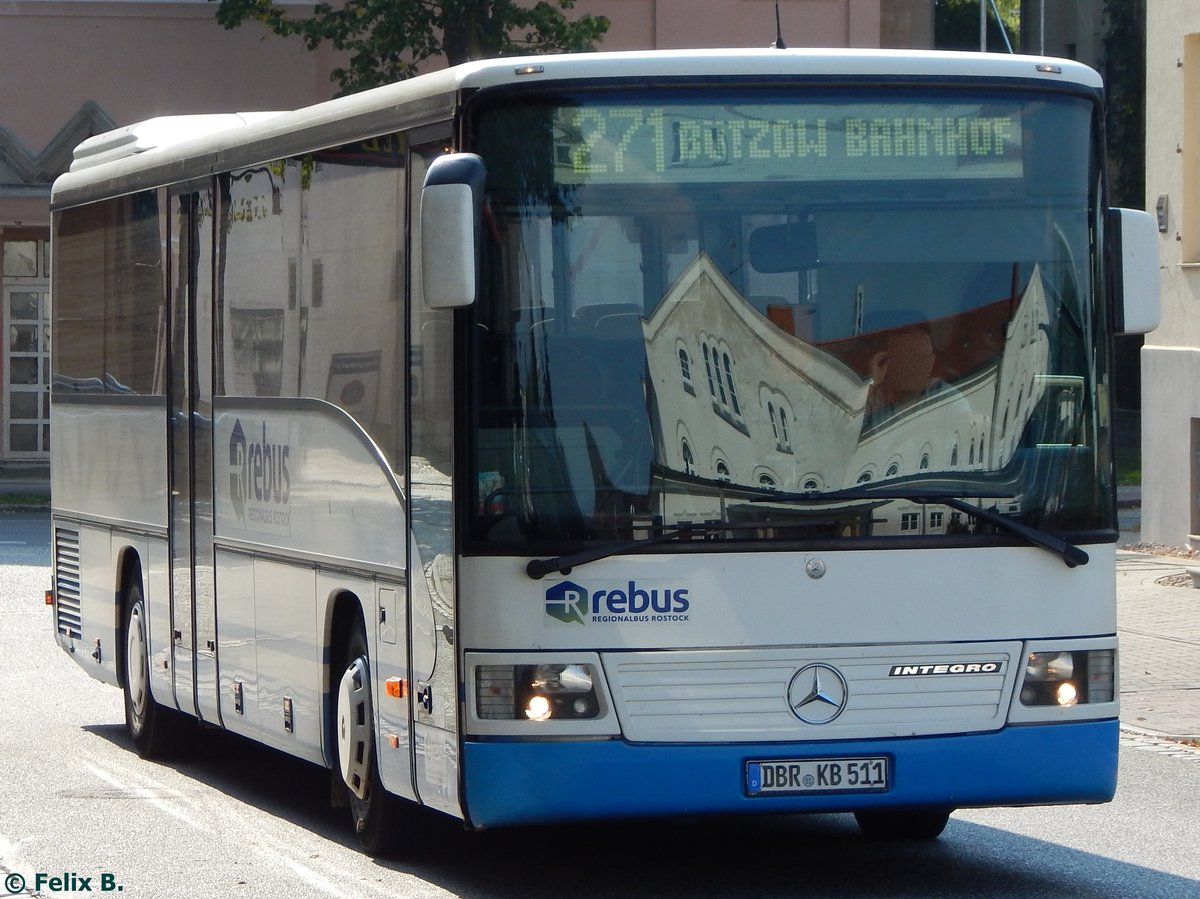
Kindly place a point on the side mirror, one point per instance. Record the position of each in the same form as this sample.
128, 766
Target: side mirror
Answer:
451, 204
1134, 276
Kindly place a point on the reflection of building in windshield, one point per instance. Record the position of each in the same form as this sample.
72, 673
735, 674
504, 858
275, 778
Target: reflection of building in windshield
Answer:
740, 399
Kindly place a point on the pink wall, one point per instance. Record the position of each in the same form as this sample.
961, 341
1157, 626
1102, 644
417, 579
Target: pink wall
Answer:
139, 60
674, 24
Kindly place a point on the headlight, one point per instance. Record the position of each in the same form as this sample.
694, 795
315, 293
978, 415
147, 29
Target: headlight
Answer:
536, 692
1069, 678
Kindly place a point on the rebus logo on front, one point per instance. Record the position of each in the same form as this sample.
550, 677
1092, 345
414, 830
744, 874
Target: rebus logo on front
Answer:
573, 603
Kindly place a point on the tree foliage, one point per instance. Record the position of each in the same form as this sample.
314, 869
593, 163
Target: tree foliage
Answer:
956, 24
387, 40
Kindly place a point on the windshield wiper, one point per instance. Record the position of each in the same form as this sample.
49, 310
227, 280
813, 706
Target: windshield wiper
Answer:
684, 531
1071, 554
679, 532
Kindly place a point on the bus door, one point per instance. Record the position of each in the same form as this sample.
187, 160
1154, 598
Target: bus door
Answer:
432, 566
189, 453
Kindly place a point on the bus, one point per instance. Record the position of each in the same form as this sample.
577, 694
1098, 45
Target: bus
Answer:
610, 435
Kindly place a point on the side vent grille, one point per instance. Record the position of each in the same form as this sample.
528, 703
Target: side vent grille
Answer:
66, 582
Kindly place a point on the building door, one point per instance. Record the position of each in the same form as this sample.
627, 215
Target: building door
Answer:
26, 351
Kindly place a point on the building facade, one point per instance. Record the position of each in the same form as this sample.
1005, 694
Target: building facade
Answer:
75, 68
1171, 354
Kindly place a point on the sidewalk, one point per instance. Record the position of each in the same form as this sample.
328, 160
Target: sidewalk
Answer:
1159, 631
1158, 626
30, 479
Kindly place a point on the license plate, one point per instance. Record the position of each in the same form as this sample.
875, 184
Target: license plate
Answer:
844, 775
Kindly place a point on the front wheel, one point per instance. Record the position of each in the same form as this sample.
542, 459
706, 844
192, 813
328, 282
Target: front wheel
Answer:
903, 823
372, 809
151, 727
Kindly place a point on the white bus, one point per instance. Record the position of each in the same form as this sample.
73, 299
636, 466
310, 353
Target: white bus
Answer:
610, 435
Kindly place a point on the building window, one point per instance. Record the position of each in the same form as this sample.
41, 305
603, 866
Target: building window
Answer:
733, 399
936, 519
723, 473
779, 426
689, 460
712, 388
910, 521
766, 482
685, 371
22, 259
26, 299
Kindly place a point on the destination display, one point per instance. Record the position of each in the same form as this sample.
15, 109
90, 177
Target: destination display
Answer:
761, 142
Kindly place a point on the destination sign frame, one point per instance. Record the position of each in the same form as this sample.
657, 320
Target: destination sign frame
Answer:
665, 142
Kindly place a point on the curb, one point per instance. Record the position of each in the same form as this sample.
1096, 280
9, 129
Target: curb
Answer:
1140, 733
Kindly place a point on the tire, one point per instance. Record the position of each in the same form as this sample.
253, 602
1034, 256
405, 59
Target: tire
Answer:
373, 812
151, 726
903, 824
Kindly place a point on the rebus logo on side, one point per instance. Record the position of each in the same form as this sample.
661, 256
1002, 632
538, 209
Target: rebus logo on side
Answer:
258, 472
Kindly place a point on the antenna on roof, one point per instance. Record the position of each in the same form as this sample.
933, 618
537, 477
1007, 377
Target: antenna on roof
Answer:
779, 44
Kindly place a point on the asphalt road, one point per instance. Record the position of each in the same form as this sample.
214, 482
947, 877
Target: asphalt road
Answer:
225, 818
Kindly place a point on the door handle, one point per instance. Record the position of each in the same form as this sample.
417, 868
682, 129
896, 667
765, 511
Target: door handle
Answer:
425, 697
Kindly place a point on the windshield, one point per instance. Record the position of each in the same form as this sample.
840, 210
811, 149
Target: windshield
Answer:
697, 300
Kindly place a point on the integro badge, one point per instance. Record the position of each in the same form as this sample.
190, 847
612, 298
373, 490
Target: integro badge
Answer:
621, 603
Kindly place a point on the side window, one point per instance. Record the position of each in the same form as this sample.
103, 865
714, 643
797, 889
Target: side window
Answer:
259, 242
310, 282
352, 275
109, 295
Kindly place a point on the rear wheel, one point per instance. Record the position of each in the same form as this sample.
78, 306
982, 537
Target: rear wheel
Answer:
150, 726
902, 824
374, 812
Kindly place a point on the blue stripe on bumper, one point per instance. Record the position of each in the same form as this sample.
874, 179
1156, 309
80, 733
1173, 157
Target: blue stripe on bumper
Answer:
511, 782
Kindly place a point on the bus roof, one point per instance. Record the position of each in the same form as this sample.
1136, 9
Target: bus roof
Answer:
170, 149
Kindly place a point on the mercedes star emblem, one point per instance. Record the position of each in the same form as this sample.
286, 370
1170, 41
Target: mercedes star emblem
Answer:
817, 693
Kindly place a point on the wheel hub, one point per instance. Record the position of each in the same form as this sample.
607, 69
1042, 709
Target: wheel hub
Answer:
135, 665
354, 726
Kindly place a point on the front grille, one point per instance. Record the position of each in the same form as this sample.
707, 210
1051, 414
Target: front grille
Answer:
742, 694
67, 582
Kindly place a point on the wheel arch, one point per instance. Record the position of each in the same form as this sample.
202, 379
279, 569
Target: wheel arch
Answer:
128, 570
344, 612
